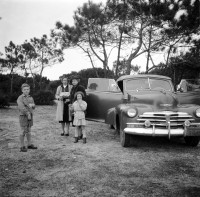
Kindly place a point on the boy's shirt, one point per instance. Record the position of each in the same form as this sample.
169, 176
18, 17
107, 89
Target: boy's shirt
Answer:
23, 104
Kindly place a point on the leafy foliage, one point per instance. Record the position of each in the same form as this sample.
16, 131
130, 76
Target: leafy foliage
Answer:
4, 102
130, 27
44, 98
17, 82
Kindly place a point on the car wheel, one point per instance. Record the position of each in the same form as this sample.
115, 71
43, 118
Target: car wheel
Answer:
111, 126
124, 138
192, 140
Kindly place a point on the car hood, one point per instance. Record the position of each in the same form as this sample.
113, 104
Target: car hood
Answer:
159, 100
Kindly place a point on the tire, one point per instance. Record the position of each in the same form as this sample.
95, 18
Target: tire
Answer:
192, 141
124, 138
111, 127
117, 126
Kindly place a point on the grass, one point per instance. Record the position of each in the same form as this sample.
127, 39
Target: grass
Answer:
152, 167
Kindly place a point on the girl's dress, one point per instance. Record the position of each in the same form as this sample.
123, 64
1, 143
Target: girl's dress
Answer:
79, 113
63, 112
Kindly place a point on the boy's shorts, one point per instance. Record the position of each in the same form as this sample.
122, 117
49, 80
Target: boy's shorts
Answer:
25, 124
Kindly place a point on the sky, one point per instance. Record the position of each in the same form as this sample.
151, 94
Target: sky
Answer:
25, 19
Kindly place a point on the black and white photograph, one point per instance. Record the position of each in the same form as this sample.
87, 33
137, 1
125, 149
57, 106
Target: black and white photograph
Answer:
99, 98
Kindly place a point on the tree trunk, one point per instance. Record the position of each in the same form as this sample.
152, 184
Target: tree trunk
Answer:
11, 80
40, 82
132, 55
118, 55
148, 53
33, 82
128, 65
120, 42
105, 69
89, 55
11, 84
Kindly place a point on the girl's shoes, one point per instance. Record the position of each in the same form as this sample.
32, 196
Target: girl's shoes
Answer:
84, 140
32, 147
23, 149
62, 134
80, 137
76, 140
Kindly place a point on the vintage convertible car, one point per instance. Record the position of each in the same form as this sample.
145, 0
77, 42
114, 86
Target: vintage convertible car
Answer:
189, 90
143, 105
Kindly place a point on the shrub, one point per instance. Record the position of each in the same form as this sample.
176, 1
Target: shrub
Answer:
4, 102
43, 98
13, 97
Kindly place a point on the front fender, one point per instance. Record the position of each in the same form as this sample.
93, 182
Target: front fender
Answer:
190, 109
122, 117
110, 116
115, 114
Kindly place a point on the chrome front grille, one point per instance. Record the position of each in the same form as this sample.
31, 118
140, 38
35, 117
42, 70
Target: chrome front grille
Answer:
162, 119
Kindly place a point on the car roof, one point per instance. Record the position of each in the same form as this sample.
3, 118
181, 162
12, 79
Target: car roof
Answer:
141, 76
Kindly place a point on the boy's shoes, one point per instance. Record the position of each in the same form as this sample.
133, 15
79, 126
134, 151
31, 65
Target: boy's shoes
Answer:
32, 147
62, 134
84, 140
67, 134
23, 149
80, 137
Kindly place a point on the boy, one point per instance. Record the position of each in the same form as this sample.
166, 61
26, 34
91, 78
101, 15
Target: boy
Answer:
26, 105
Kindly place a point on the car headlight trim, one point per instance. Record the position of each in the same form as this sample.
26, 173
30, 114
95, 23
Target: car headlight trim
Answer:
198, 112
187, 123
147, 123
131, 112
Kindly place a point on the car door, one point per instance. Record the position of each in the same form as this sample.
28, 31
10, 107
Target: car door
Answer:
102, 96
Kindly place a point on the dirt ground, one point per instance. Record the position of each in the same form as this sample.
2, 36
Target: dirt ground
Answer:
61, 168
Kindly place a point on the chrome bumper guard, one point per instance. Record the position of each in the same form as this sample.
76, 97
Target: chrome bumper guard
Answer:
140, 129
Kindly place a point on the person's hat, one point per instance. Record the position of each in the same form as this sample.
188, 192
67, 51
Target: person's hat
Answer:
74, 77
79, 92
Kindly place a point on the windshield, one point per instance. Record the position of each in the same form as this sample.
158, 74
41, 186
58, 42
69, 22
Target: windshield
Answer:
148, 83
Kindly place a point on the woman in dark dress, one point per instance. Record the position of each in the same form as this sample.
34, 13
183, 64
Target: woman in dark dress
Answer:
76, 87
63, 112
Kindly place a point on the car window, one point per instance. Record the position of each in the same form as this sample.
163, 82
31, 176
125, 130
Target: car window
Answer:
113, 87
156, 84
99, 84
137, 84
187, 85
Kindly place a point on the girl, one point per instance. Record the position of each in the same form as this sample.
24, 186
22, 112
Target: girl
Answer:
79, 107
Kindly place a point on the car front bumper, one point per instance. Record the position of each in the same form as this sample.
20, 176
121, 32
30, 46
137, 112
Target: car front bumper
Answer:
140, 129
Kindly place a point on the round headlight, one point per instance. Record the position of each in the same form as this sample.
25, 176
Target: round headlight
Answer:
198, 112
131, 113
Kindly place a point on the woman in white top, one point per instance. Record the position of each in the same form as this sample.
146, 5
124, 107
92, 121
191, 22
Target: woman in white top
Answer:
63, 101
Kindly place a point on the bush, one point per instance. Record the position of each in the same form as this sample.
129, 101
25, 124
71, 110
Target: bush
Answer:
4, 102
43, 98
13, 97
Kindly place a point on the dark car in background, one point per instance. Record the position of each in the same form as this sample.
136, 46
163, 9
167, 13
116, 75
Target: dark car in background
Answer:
145, 105
188, 91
